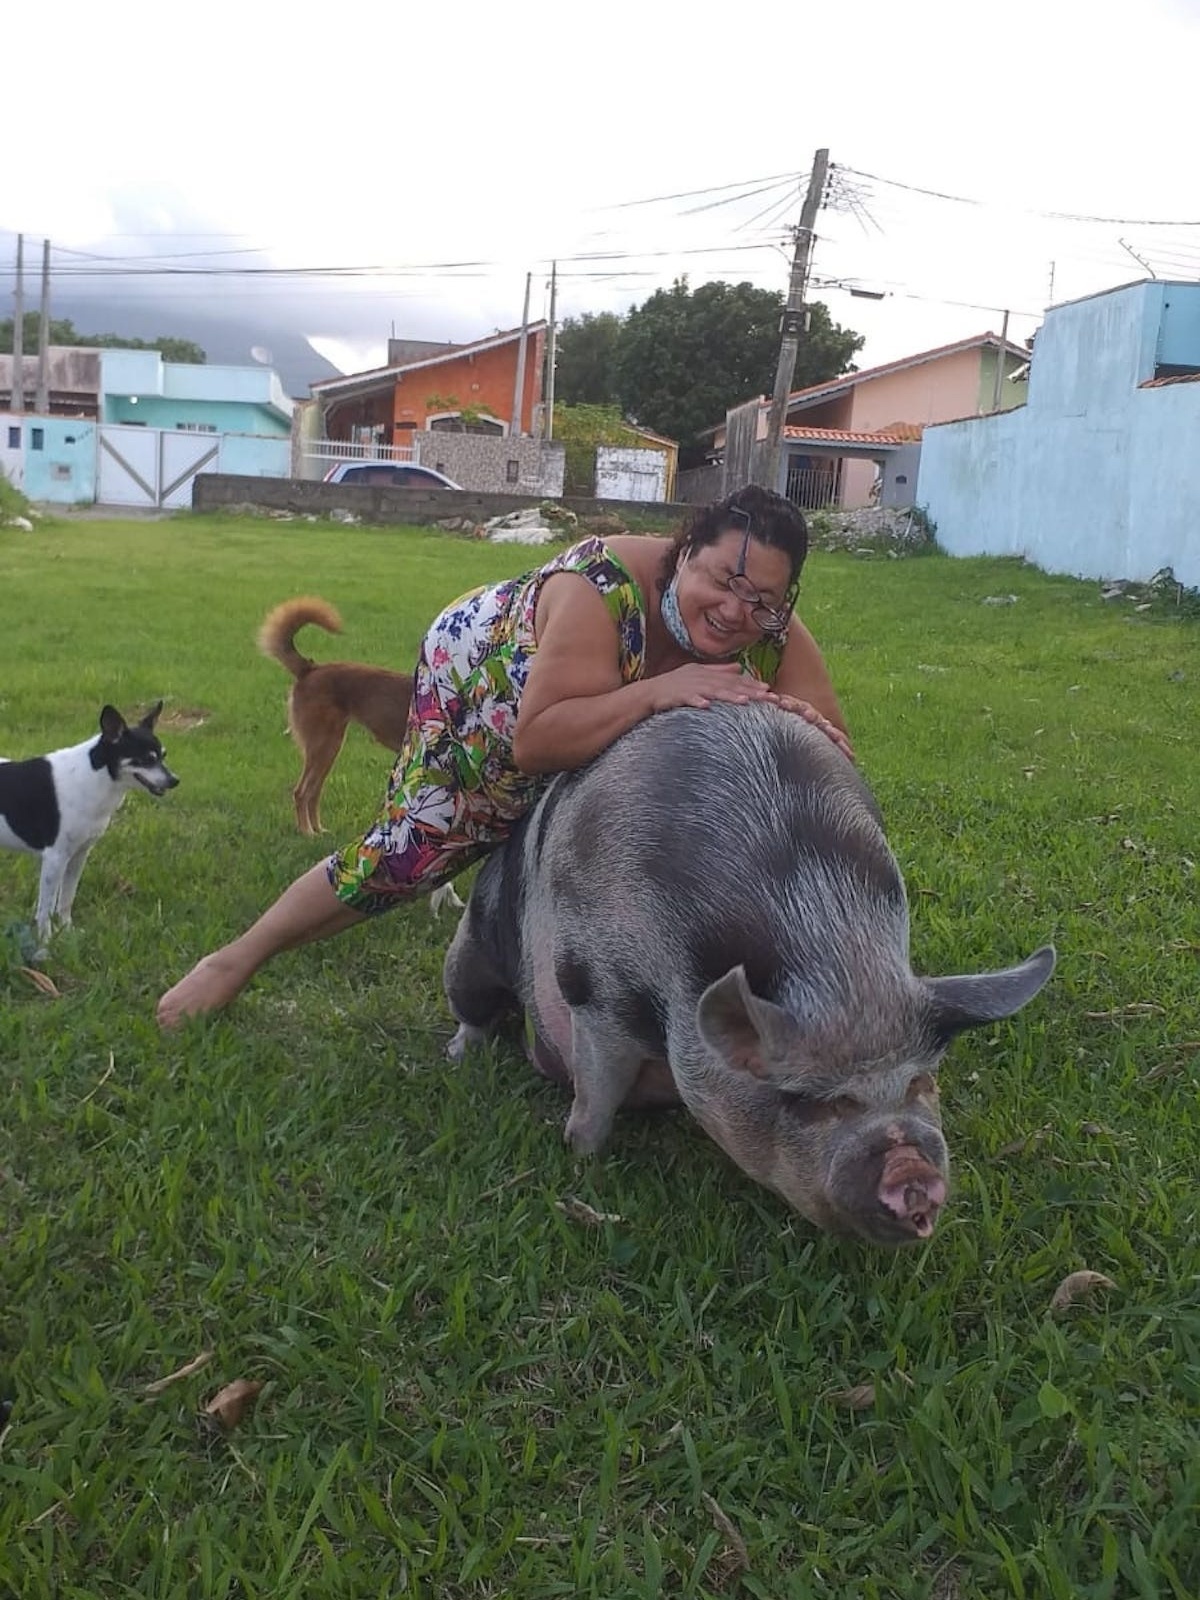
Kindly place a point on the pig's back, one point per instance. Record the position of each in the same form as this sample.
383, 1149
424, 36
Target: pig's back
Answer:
734, 834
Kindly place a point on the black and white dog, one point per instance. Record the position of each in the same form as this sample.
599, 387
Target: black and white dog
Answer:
57, 806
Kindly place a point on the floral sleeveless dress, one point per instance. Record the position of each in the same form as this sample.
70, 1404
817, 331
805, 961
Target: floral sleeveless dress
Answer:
455, 792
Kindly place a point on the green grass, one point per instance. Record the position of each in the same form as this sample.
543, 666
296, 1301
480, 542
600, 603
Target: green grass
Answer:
467, 1392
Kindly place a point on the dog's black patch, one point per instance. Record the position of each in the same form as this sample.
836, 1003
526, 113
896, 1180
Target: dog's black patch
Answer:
29, 801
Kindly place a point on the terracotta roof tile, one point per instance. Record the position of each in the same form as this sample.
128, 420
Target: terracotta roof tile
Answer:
845, 436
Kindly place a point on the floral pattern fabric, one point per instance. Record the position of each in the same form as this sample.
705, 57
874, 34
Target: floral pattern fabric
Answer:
455, 792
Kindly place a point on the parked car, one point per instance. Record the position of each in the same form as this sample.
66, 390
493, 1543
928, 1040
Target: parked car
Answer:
389, 474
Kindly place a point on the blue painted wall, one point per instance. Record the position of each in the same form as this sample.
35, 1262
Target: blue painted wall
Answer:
63, 469
260, 458
1095, 476
226, 416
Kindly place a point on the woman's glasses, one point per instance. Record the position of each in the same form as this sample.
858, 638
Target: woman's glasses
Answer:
769, 618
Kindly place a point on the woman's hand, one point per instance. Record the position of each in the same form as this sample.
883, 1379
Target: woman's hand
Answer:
802, 708
698, 684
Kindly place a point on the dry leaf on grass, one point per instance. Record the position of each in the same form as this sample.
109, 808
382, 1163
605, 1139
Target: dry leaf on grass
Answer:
185, 1371
726, 1529
234, 1402
579, 1211
859, 1398
39, 980
1075, 1286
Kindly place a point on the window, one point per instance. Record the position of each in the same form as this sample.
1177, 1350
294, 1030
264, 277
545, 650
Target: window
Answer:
14, 438
512, 472
37, 438
196, 427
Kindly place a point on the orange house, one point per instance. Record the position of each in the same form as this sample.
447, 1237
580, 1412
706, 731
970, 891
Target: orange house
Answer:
465, 388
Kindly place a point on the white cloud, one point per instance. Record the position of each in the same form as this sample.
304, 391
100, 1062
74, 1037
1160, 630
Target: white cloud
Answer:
505, 135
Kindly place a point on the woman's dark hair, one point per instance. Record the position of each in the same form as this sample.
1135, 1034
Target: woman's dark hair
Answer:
771, 519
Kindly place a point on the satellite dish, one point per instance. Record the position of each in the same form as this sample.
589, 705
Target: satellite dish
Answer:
261, 354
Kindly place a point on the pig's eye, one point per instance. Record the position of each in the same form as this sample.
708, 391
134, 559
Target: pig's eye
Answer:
847, 1106
923, 1087
805, 1109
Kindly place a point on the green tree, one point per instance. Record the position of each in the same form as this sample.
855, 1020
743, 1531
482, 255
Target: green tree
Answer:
585, 372
687, 355
64, 332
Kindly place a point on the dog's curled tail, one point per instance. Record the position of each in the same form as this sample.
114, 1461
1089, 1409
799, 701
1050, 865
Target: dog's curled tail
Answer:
276, 637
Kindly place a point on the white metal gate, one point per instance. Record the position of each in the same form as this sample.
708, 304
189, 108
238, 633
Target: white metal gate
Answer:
152, 466
626, 474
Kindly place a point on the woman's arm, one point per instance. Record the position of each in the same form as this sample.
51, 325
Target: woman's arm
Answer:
803, 675
803, 685
574, 703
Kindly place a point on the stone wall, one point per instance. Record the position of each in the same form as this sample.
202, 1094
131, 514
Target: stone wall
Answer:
494, 465
212, 491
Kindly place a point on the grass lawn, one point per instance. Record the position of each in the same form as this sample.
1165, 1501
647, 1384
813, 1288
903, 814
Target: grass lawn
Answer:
470, 1391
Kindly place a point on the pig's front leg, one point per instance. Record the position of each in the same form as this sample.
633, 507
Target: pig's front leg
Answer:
604, 1065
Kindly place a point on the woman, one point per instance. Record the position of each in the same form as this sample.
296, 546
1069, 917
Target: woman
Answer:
537, 675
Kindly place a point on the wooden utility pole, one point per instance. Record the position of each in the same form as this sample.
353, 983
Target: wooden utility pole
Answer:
1000, 354
16, 402
517, 426
43, 366
551, 351
794, 321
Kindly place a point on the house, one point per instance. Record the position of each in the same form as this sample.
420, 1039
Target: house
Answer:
454, 407
125, 427
856, 439
1098, 475
141, 389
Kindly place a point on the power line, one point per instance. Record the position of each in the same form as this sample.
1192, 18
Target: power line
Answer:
691, 194
1056, 216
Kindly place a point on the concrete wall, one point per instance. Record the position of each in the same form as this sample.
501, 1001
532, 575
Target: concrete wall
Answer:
483, 464
213, 490
12, 448
222, 416
1095, 476
252, 455
60, 459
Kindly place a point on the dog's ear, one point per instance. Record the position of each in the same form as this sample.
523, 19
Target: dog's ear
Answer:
112, 724
151, 716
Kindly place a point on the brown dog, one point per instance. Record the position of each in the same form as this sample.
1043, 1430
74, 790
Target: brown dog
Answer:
327, 697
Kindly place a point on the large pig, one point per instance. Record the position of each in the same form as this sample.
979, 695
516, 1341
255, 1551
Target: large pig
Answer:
710, 913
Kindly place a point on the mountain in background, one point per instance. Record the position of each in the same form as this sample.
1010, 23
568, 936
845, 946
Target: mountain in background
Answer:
227, 340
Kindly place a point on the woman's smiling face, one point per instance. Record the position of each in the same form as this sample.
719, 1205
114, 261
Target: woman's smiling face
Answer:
720, 622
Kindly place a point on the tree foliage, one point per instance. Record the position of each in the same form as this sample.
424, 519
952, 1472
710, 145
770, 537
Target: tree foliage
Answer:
585, 373
64, 332
677, 362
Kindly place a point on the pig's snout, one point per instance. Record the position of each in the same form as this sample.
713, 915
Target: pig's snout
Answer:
912, 1189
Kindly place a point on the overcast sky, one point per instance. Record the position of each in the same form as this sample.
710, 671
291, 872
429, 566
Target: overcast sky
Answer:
371, 152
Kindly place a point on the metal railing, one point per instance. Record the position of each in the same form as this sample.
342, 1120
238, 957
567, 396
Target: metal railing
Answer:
358, 450
813, 488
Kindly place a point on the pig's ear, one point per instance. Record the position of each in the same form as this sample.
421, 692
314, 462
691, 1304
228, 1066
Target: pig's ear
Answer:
749, 1034
969, 1002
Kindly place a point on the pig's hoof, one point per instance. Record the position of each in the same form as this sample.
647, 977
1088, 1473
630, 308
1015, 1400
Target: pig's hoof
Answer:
462, 1041
583, 1138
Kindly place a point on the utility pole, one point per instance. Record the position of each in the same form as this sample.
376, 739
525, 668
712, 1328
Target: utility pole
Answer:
43, 367
551, 351
517, 425
1000, 354
794, 320
16, 402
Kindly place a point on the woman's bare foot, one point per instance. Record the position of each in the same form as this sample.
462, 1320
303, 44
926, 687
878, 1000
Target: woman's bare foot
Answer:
212, 983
